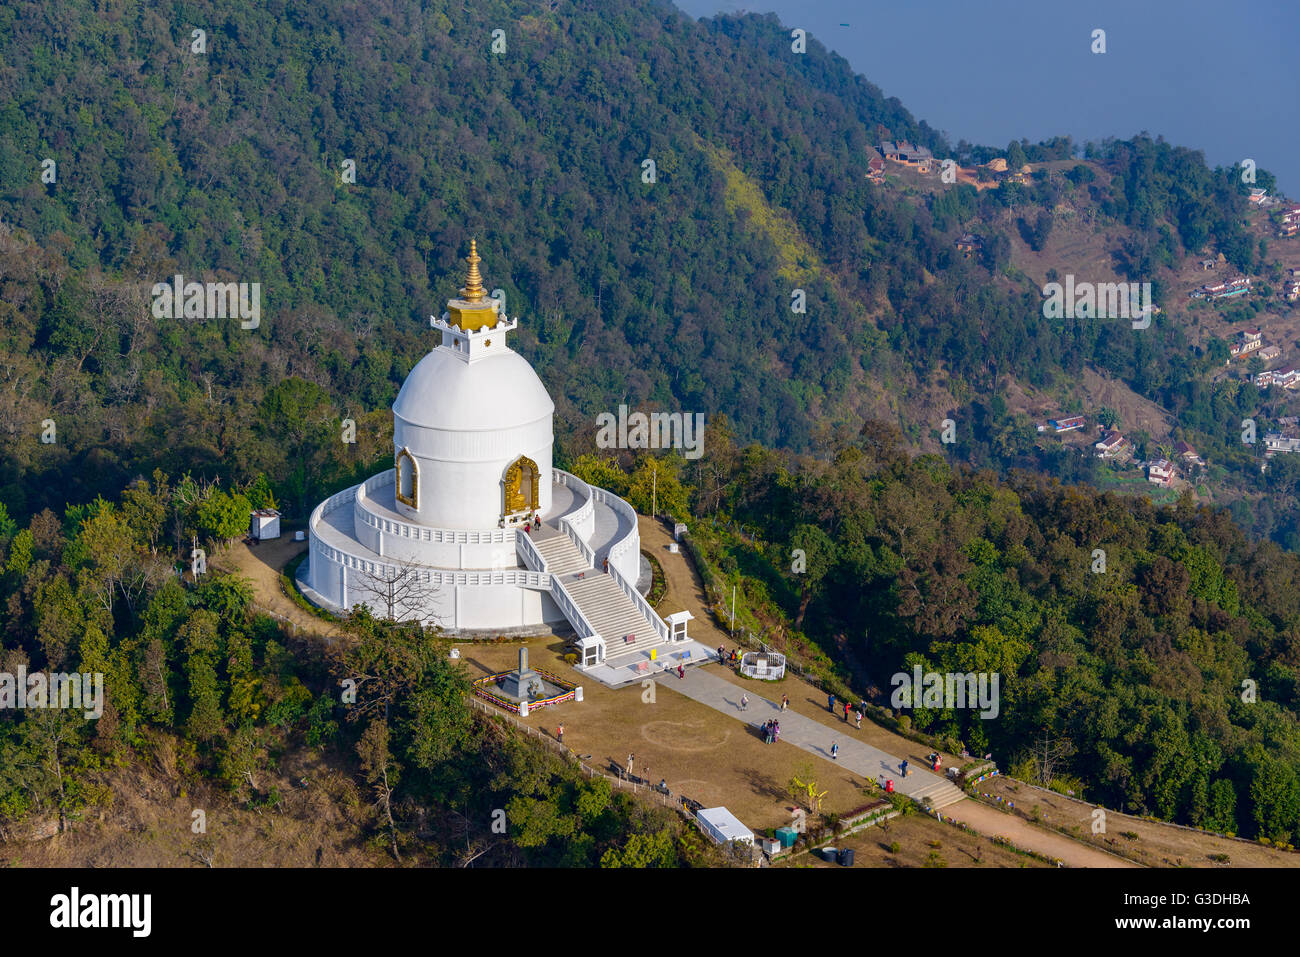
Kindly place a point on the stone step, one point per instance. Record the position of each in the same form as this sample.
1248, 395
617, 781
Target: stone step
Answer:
612, 614
561, 555
940, 793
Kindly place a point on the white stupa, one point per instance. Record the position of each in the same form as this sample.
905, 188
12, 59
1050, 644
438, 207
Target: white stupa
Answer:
440, 538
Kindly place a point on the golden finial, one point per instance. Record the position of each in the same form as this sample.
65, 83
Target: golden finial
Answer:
473, 289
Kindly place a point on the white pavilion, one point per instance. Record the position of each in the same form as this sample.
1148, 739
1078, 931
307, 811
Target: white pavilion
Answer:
440, 537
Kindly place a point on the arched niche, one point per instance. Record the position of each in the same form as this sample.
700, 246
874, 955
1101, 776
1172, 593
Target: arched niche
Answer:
408, 479
520, 487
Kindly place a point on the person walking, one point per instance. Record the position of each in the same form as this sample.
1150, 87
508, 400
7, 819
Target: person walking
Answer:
846, 712
744, 702
858, 715
904, 767
785, 701
630, 759
559, 732
681, 672
835, 751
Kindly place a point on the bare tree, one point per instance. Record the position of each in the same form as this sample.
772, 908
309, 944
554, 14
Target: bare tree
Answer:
397, 592
1048, 755
377, 762
203, 852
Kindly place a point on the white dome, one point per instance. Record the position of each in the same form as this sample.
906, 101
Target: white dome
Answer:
496, 392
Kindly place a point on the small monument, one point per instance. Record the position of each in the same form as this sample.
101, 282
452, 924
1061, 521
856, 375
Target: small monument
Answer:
525, 690
524, 683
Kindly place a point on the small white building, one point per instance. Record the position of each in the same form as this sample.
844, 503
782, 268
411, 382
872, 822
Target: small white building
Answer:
723, 826
591, 650
677, 624
264, 524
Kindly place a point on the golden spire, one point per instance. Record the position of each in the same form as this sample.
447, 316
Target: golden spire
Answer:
473, 288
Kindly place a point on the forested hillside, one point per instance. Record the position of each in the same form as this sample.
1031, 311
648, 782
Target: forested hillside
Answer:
126, 436
1154, 654
229, 164
192, 671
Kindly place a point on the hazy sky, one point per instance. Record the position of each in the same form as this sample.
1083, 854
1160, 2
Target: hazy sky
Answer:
1220, 77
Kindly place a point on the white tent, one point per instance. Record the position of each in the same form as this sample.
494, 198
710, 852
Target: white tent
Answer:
723, 826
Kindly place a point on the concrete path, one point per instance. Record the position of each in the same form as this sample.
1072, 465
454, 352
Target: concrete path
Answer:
802, 732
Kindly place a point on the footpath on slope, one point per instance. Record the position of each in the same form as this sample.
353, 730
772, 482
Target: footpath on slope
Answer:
262, 564
814, 728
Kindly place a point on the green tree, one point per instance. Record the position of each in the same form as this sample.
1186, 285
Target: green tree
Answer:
200, 638
813, 555
1275, 796
656, 484
259, 493
602, 472
643, 850
223, 517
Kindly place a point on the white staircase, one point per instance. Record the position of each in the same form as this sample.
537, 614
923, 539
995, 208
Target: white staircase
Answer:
609, 612
561, 555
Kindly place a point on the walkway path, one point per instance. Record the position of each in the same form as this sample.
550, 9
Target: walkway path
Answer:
262, 564
802, 732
